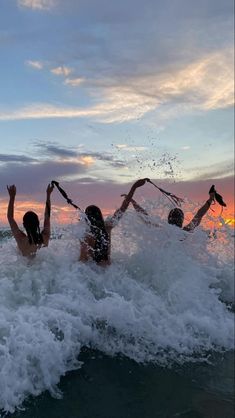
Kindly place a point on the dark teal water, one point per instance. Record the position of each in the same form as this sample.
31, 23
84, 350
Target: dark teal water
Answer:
107, 387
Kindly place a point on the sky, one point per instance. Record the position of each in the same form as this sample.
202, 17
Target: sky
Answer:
98, 93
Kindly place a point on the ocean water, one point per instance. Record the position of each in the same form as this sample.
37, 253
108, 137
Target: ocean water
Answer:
150, 336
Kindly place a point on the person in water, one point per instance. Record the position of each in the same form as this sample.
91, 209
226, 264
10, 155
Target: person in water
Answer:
96, 243
30, 243
176, 215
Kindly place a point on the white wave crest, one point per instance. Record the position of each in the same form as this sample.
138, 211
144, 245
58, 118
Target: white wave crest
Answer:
164, 299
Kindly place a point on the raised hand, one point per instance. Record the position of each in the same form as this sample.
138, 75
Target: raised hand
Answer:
212, 195
11, 190
140, 182
50, 188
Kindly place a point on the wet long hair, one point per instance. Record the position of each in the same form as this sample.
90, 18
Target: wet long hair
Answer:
31, 224
98, 231
176, 217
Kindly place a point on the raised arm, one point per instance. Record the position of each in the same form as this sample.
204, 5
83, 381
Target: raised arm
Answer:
200, 213
10, 212
142, 211
127, 199
138, 208
47, 214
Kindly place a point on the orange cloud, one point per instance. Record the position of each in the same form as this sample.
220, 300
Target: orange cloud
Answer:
87, 160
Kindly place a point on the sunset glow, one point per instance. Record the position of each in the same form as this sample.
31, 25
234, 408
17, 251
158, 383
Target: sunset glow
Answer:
65, 214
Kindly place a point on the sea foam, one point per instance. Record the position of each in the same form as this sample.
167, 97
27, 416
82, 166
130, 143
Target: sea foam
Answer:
165, 299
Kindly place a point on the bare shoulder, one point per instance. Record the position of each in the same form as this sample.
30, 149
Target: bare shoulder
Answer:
18, 234
22, 240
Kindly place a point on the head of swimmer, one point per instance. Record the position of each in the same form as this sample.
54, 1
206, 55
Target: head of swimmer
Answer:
176, 217
94, 216
30, 220
31, 224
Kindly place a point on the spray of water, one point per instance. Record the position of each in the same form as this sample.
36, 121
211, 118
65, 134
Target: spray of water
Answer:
165, 299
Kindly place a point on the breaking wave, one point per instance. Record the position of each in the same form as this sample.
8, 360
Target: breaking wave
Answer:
167, 298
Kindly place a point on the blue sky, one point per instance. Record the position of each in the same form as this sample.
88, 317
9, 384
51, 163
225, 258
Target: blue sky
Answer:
105, 91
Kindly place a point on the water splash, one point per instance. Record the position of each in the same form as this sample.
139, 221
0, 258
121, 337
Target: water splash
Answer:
165, 299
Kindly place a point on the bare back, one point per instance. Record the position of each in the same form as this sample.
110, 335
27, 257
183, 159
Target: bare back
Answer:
27, 249
88, 246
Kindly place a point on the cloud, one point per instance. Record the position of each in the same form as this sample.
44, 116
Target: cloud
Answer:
106, 195
61, 70
11, 158
74, 154
44, 111
37, 65
203, 85
185, 147
126, 147
128, 106
198, 189
74, 82
37, 4
66, 165
32, 177
87, 160
56, 150
151, 35
121, 146
219, 170
110, 12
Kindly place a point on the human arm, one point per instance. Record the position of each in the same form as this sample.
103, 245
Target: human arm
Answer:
200, 213
10, 213
47, 214
141, 211
138, 208
127, 199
